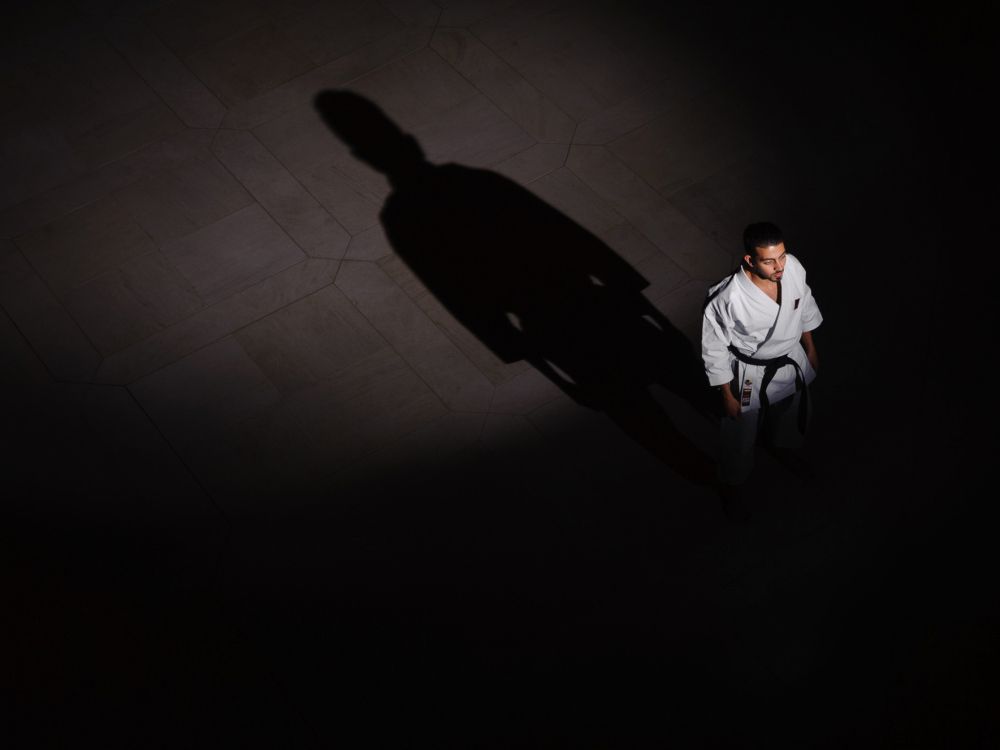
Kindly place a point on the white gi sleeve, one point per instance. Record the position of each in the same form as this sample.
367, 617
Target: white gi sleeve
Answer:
714, 345
811, 316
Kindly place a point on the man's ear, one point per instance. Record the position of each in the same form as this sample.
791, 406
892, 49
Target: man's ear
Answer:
748, 261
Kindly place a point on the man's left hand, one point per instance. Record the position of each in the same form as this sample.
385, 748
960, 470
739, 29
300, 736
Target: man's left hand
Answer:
813, 358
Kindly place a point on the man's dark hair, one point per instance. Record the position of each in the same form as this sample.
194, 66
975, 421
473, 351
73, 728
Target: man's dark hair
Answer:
761, 234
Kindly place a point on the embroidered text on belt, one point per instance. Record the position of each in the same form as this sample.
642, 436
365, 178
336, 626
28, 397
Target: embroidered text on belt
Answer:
771, 367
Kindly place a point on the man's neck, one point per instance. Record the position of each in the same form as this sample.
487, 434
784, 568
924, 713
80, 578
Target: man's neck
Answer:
764, 284
771, 288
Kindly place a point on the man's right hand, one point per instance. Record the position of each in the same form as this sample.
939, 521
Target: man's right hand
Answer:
730, 404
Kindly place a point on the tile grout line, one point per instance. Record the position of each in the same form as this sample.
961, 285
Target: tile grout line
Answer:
228, 333
295, 177
341, 84
61, 305
157, 248
502, 59
95, 27
497, 104
391, 346
31, 346
659, 197
444, 331
291, 174
264, 208
106, 37
393, 13
180, 458
225, 547
79, 179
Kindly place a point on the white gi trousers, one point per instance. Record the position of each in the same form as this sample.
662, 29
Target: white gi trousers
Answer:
778, 426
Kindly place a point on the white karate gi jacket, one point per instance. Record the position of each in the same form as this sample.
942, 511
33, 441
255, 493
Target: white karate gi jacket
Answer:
740, 314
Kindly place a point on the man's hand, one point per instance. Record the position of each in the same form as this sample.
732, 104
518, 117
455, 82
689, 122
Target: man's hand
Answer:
811, 354
813, 358
730, 404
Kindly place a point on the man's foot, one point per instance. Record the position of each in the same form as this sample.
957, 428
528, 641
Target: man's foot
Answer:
734, 502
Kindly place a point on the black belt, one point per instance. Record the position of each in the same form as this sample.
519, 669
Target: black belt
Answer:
771, 366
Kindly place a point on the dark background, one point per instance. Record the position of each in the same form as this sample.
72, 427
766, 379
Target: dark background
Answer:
435, 610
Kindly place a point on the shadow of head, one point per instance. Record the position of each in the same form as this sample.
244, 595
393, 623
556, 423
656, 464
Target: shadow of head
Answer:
370, 134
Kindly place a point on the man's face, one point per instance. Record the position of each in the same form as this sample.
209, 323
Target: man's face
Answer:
769, 263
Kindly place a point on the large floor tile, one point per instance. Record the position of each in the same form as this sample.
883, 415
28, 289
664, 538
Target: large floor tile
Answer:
187, 96
687, 143
462, 13
215, 322
76, 248
327, 31
662, 273
311, 340
188, 26
96, 100
524, 392
35, 154
339, 72
141, 464
612, 122
200, 404
299, 139
249, 64
43, 321
473, 133
21, 363
90, 187
354, 203
754, 189
478, 352
629, 243
411, 333
118, 136
350, 414
566, 192
348, 189
210, 390
281, 195
532, 163
683, 242
137, 299
424, 452
265, 466
184, 196
414, 12
649, 212
682, 305
233, 253
416, 89
504, 86
567, 54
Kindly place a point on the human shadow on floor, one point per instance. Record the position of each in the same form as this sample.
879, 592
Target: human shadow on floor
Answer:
530, 283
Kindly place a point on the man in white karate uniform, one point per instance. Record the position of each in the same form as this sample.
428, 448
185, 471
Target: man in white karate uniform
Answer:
758, 350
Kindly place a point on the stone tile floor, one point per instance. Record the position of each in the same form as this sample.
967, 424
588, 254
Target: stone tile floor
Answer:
264, 487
